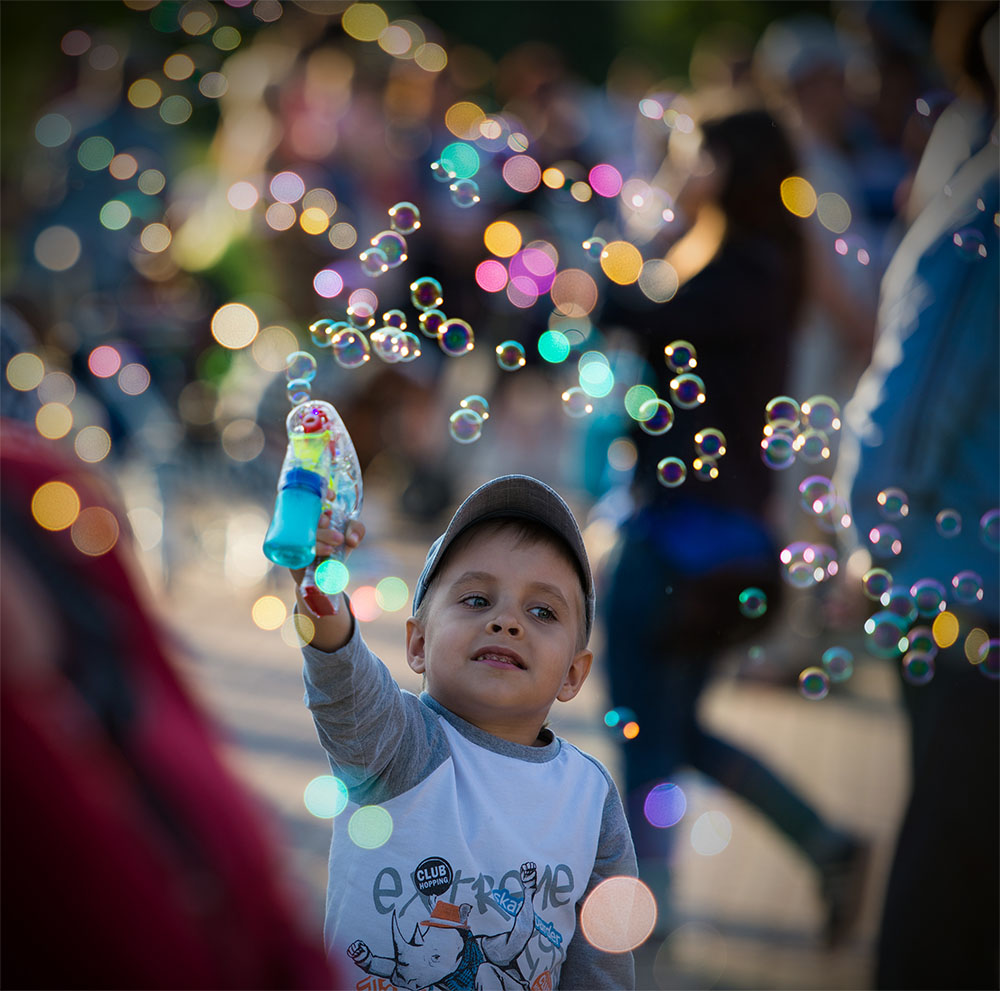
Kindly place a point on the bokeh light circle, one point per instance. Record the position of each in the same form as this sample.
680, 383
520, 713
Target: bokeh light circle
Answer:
618, 915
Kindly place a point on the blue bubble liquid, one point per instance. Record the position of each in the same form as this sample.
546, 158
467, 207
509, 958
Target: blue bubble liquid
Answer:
291, 537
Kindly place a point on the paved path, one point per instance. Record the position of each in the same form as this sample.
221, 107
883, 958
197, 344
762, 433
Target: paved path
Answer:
743, 918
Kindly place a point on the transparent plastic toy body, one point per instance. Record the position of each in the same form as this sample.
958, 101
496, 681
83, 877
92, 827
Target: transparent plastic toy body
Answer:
320, 472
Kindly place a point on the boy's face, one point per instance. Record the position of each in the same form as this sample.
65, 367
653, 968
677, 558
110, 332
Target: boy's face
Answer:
499, 641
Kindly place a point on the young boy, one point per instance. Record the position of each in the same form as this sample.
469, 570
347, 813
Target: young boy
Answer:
472, 834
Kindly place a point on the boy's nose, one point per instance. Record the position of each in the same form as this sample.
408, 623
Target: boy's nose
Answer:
500, 624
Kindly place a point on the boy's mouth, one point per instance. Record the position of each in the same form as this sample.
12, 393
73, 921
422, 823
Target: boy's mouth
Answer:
499, 657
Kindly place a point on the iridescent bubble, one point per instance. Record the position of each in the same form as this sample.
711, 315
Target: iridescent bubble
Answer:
802, 565
821, 413
710, 442
988, 660
814, 684
875, 583
812, 446
430, 323
456, 337
373, 262
687, 390
665, 805
893, 503
705, 469
921, 639
350, 348
948, 523
671, 472
464, 192
593, 247
897, 600
298, 391
838, 663
967, 588
394, 318
777, 450
928, 596
300, 365
885, 634
783, 410
576, 402
478, 404
404, 217
393, 245
321, 332
361, 315
655, 416
753, 603
465, 426
389, 344
510, 355
917, 668
885, 541
681, 356
989, 529
969, 244
426, 293
442, 173
816, 494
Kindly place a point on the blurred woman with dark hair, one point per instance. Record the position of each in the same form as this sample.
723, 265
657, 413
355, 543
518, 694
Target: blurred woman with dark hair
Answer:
672, 604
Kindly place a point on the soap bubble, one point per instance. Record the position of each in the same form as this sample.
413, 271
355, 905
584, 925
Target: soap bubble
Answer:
777, 450
802, 566
969, 244
838, 663
948, 523
885, 634
814, 684
680, 356
782, 410
464, 193
298, 391
671, 472
968, 588
300, 365
477, 404
988, 659
928, 596
821, 413
885, 540
510, 356
664, 805
361, 314
917, 668
705, 469
594, 247
373, 262
456, 338
411, 346
321, 332
394, 318
753, 603
350, 348
656, 416
894, 503
898, 600
921, 639
989, 529
392, 244
875, 583
710, 442
687, 390
404, 217
812, 446
576, 402
465, 426
425, 293
441, 172
816, 494
389, 344
430, 323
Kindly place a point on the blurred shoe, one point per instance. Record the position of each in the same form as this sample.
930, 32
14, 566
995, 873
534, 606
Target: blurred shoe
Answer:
842, 884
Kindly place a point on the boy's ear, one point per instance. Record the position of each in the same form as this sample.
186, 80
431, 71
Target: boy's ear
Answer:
415, 641
579, 668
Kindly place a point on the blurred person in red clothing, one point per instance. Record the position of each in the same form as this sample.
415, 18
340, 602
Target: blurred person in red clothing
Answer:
132, 858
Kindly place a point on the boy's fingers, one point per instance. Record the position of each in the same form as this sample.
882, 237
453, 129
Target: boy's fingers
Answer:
354, 533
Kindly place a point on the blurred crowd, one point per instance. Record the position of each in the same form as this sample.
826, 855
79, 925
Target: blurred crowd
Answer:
189, 192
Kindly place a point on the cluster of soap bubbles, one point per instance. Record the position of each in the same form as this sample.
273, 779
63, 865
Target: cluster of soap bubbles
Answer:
387, 249
445, 169
794, 431
805, 564
466, 424
300, 370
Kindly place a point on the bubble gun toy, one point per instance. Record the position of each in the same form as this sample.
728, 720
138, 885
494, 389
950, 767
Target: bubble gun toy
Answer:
320, 472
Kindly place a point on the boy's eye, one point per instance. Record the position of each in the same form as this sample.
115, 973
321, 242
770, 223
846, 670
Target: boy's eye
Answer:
475, 601
542, 612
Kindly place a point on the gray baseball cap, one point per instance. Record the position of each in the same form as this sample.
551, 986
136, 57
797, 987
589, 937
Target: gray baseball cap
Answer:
521, 497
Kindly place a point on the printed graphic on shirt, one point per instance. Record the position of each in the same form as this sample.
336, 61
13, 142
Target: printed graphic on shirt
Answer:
443, 953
